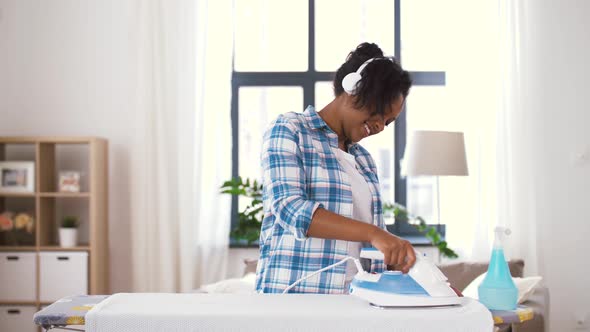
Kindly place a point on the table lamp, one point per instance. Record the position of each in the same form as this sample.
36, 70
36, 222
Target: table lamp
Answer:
435, 153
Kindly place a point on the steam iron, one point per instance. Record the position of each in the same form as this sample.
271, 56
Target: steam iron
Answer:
424, 285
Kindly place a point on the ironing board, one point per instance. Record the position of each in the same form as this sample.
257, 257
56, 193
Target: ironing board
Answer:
68, 313
151, 312
517, 316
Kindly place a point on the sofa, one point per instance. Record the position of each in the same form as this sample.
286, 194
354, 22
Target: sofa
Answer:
461, 274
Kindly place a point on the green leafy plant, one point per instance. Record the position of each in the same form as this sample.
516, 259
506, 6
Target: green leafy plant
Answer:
250, 219
400, 213
69, 222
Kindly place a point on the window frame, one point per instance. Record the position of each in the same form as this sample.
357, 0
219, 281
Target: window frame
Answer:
307, 80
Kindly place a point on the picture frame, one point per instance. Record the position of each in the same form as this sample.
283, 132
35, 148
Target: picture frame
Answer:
17, 177
69, 181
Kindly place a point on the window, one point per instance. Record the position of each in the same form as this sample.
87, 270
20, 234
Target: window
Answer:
286, 54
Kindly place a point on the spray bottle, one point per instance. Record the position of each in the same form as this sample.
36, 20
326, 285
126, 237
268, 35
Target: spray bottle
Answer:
497, 291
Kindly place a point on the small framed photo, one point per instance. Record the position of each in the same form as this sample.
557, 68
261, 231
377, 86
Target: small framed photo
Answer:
17, 176
69, 181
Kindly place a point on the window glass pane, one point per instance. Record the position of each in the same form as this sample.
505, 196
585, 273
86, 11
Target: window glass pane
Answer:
271, 35
324, 94
421, 196
425, 26
459, 106
428, 108
341, 26
435, 37
258, 106
381, 147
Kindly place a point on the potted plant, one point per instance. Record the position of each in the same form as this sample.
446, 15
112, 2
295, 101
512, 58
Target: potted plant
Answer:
68, 232
401, 215
250, 219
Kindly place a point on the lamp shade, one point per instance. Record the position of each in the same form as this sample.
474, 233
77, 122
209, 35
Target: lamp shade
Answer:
435, 153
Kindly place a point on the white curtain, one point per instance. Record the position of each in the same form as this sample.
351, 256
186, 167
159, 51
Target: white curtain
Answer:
516, 187
501, 148
468, 203
485, 85
215, 49
182, 145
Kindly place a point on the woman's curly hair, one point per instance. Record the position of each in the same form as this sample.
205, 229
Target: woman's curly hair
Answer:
382, 82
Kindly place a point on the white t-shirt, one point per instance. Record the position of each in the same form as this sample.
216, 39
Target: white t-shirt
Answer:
362, 200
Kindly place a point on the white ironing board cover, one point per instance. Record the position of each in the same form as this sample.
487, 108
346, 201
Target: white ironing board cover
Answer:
151, 312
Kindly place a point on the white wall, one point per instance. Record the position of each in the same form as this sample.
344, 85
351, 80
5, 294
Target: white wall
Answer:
66, 69
557, 71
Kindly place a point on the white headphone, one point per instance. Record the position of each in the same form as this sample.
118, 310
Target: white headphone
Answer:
350, 81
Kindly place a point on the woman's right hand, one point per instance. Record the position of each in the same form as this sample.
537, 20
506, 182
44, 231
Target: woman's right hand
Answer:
397, 251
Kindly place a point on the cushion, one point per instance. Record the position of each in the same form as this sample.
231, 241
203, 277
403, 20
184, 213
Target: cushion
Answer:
460, 274
525, 286
250, 265
234, 285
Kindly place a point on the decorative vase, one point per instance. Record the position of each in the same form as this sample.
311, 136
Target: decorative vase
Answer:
68, 237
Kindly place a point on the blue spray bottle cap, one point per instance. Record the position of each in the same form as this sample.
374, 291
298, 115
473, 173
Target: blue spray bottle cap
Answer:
501, 234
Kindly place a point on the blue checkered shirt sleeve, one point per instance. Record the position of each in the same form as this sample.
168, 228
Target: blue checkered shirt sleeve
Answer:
282, 163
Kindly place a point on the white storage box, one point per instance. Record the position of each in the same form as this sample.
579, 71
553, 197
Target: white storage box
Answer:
17, 318
18, 271
63, 274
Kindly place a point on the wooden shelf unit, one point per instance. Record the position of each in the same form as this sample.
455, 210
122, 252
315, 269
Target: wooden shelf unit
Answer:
19, 303
81, 247
18, 248
46, 196
85, 194
17, 194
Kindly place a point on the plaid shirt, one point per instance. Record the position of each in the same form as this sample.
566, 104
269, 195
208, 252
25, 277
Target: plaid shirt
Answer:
300, 174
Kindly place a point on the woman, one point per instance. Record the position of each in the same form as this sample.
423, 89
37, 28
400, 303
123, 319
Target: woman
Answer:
321, 191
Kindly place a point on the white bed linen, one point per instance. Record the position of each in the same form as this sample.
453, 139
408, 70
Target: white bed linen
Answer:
151, 312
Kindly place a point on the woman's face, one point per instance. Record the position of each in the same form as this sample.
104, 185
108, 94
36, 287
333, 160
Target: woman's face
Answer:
358, 124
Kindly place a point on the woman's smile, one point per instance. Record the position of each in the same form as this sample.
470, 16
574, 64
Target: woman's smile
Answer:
367, 129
